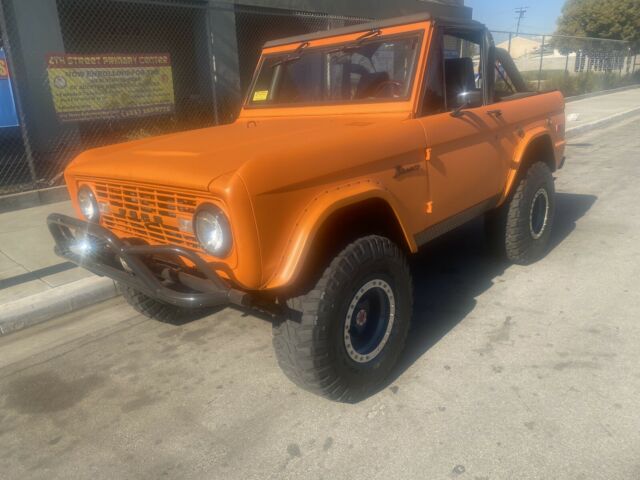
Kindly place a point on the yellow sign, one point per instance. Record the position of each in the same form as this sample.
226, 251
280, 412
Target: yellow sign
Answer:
261, 95
114, 86
4, 70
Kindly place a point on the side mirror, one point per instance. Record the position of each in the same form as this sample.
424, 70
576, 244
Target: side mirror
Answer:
471, 99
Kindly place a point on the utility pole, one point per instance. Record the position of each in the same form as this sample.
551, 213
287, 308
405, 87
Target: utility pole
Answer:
521, 12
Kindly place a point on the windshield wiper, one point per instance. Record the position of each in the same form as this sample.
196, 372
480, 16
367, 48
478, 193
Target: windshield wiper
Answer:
292, 57
376, 32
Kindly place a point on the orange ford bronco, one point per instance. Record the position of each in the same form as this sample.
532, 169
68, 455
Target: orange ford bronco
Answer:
353, 149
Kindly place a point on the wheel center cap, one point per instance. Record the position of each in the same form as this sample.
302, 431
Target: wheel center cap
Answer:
361, 318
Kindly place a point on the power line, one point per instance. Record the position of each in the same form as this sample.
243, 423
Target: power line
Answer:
521, 12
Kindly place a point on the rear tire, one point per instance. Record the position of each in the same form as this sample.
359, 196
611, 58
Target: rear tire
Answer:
342, 339
160, 311
520, 230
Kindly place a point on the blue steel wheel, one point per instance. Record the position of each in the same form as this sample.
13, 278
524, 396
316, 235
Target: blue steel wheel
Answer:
369, 321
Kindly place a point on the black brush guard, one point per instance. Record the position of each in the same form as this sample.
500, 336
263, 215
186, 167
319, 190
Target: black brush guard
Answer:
144, 267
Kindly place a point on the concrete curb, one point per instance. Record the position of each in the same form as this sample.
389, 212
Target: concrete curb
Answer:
603, 122
35, 198
600, 94
53, 303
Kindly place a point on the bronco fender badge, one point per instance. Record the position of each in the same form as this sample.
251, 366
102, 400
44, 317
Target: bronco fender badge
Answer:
401, 170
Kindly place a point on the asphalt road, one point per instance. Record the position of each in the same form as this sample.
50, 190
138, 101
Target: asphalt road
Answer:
510, 372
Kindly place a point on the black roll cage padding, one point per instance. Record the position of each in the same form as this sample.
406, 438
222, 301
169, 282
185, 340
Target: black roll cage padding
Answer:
502, 56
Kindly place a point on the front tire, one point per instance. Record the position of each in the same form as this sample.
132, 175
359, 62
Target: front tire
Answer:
342, 339
520, 230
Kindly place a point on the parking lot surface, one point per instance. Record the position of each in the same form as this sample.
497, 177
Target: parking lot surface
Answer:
510, 372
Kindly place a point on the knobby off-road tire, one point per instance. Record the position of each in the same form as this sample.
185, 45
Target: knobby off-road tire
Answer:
156, 310
342, 338
520, 230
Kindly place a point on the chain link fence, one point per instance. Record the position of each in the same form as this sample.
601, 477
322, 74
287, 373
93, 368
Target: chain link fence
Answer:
77, 74
574, 65
87, 73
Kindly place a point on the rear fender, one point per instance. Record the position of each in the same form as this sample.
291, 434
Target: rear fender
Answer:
518, 157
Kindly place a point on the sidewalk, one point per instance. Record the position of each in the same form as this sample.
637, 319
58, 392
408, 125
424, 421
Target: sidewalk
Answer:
596, 112
27, 263
36, 285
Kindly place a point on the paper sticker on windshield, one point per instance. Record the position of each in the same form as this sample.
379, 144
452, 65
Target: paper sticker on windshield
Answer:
260, 95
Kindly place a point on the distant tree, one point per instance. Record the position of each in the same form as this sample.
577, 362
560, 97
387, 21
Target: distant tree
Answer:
606, 19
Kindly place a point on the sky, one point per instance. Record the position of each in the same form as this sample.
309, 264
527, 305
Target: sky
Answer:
500, 14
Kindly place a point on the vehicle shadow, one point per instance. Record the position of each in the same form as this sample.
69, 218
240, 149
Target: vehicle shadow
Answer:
452, 271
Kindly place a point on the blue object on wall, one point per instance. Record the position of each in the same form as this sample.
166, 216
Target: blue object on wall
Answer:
8, 115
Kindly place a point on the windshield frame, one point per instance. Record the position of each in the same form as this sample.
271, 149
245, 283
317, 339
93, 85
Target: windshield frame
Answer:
419, 30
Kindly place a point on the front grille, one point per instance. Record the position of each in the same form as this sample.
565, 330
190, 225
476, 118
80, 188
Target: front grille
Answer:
147, 212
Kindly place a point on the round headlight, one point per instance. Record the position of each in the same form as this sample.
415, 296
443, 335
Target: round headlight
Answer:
213, 231
88, 204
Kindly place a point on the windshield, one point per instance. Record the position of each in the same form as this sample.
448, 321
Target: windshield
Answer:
379, 69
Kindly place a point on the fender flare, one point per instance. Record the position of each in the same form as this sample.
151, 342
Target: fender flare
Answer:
518, 156
315, 216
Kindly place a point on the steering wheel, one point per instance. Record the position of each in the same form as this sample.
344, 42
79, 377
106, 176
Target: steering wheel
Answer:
396, 88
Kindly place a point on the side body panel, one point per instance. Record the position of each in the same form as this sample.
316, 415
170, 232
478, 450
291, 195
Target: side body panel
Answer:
475, 159
528, 119
293, 193
469, 163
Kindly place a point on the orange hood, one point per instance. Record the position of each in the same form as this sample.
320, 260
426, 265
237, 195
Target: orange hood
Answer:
194, 159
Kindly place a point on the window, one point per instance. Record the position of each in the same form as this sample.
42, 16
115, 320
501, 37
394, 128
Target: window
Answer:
372, 70
433, 101
464, 83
